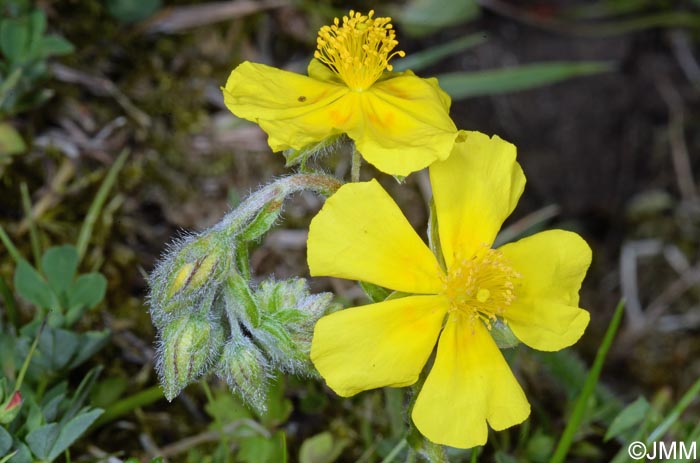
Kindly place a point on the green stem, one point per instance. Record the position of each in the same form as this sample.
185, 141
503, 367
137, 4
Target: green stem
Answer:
589, 385
430, 450
474, 455
98, 203
355, 167
128, 404
275, 191
30, 354
395, 451
33, 232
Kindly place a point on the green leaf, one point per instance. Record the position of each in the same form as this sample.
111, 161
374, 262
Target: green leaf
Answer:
227, 409
7, 457
31, 286
34, 419
423, 17
108, 391
429, 56
58, 347
11, 142
321, 448
132, 10
493, 82
632, 415
50, 409
265, 219
261, 449
540, 447
41, 440
278, 406
90, 343
374, 293
14, 38
37, 27
72, 431
81, 394
55, 45
295, 157
87, 291
290, 316
22, 455
5, 441
59, 264
503, 336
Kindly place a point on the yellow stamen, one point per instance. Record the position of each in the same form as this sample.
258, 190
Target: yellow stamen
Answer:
359, 50
481, 287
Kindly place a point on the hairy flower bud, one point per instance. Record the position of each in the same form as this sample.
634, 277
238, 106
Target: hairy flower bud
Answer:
246, 371
187, 347
186, 279
192, 275
288, 315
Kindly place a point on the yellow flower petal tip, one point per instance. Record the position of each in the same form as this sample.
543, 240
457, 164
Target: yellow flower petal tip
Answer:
400, 123
469, 386
531, 285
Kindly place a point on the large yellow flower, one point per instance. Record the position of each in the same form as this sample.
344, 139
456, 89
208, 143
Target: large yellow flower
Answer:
399, 122
532, 285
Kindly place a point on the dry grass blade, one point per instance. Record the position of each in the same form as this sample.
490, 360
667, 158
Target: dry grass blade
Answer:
187, 17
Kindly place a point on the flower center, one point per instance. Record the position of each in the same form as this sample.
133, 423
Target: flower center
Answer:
358, 51
481, 287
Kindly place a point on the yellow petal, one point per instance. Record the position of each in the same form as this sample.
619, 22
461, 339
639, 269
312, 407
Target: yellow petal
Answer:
383, 344
475, 189
361, 234
545, 314
469, 384
294, 110
406, 125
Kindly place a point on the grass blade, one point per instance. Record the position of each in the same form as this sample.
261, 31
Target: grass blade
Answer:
675, 413
423, 59
33, 232
98, 203
9, 245
588, 388
493, 82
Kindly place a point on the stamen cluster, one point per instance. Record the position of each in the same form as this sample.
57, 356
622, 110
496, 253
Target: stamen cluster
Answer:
481, 287
359, 50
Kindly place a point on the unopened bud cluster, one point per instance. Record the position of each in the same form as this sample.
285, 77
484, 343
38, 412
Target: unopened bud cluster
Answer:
210, 317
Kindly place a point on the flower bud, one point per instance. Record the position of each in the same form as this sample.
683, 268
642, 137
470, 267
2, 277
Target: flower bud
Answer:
192, 275
187, 278
246, 371
11, 407
288, 314
187, 347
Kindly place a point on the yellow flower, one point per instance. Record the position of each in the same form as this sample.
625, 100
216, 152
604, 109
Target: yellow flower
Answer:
532, 285
399, 122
